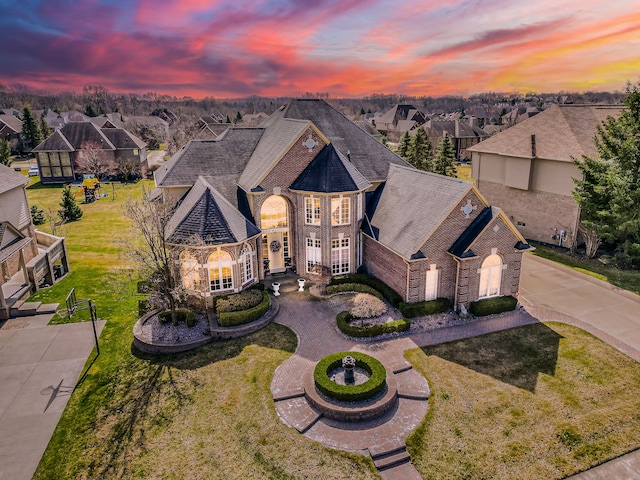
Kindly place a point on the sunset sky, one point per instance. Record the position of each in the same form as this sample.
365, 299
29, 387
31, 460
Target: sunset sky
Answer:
348, 48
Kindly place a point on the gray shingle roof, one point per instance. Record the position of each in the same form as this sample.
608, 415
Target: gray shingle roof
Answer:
412, 205
205, 214
225, 156
330, 172
10, 179
454, 128
369, 156
122, 139
75, 135
12, 122
562, 132
276, 141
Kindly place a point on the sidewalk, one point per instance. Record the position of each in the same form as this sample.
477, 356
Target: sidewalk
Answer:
39, 368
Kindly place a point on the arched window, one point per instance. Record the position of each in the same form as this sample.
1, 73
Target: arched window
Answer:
189, 270
273, 213
220, 271
490, 276
246, 266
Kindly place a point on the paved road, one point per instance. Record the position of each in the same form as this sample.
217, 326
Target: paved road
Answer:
598, 306
39, 368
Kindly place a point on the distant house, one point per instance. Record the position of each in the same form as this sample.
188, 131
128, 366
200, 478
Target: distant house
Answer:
311, 192
28, 258
211, 127
528, 169
462, 133
10, 129
400, 119
58, 154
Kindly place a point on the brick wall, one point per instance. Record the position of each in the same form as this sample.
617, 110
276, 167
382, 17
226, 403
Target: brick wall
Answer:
538, 215
384, 264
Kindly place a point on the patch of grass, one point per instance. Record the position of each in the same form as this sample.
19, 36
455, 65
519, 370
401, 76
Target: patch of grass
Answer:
202, 414
627, 279
463, 172
540, 401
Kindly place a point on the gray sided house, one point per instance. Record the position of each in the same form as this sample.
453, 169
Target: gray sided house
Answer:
59, 156
309, 191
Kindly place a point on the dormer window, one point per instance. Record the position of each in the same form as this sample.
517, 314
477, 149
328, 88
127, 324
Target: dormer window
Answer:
340, 211
312, 210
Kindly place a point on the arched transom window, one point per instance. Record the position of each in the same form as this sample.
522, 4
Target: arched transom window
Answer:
273, 213
220, 271
490, 276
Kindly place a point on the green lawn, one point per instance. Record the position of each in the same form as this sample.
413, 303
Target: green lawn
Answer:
541, 401
626, 279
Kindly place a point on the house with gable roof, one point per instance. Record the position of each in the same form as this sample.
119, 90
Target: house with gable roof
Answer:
311, 192
528, 169
58, 154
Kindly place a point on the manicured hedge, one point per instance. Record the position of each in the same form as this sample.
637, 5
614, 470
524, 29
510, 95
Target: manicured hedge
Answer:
343, 319
353, 287
182, 315
490, 306
420, 309
389, 293
214, 300
231, 319
350, 393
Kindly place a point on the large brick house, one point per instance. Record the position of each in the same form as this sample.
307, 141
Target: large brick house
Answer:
60, 155
312, 192
528, 169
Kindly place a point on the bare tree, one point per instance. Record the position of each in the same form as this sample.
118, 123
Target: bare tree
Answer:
181, 132
95, 160
150, 254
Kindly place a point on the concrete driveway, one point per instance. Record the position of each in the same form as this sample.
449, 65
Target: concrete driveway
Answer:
39, 368
596, 304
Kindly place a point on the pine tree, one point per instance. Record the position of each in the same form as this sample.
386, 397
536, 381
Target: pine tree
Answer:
609, 192
45, 131
420, 152
238, 117
445, 156
5, 153
70, 210
405, 144
37, 215
30, 130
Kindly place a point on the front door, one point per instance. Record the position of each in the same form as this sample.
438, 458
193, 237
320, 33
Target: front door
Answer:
276, 252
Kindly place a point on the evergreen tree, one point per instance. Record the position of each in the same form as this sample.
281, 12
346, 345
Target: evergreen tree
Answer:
609, 192
37, 215
45, 131
5, 153
30, 130
420, 152
228, 119
445, 156
238, 117
70, 210
405, 144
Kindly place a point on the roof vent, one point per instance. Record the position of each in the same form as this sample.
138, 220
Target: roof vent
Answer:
533, 145
349, 155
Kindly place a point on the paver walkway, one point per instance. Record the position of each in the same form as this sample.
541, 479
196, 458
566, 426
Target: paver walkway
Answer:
39, 368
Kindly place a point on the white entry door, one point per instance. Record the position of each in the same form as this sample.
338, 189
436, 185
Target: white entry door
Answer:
275, 245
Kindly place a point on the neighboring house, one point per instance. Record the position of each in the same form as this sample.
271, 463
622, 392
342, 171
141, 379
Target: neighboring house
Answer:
58, 154
210, 127
28, 258
398, 120
528, 169
312, 192
157, 125
462, 133
10, 129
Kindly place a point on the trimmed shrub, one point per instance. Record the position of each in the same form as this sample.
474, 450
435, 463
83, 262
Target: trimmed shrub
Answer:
353, 287
389, 293
231, 319
343, 319
421, 309
182, 315
367, 306
350, 393
143, 307
490, 306
239, 301
257, 286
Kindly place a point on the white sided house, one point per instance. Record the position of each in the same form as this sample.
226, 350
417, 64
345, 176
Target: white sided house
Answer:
313, 193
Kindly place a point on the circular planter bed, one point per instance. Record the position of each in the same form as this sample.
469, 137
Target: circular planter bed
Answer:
150, 335
350, 393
